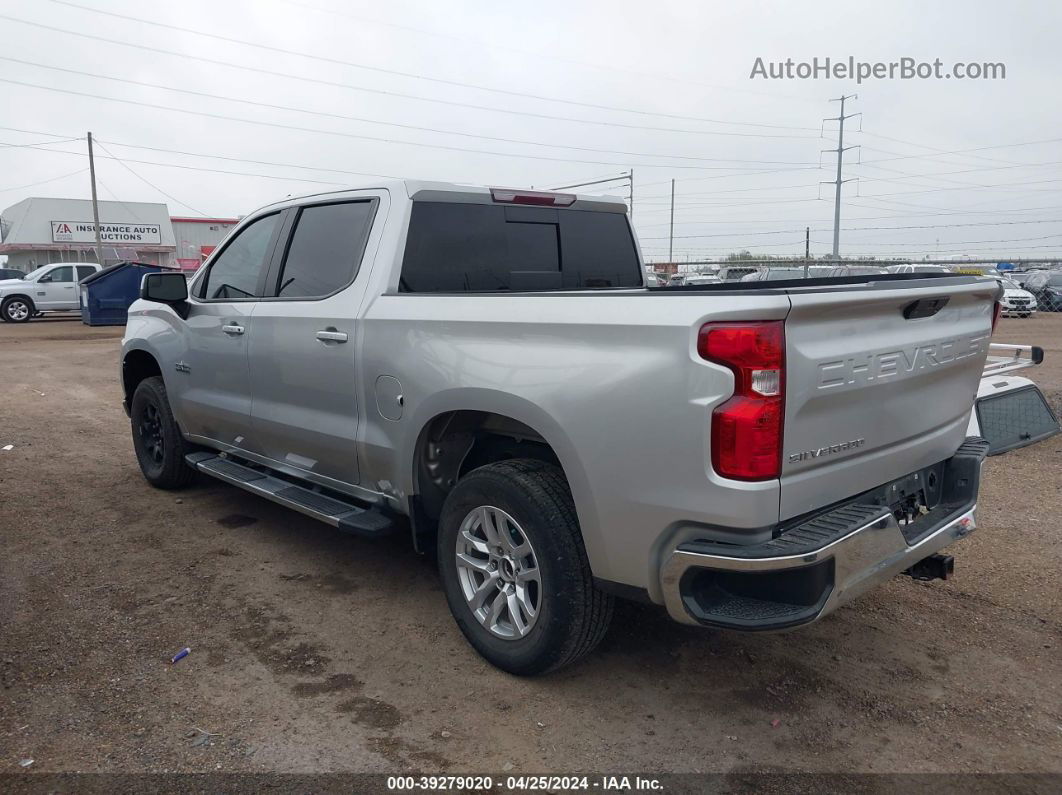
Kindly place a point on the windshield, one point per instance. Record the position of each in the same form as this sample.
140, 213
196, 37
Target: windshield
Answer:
35, 273
1055, 280
1010, 285
775, 274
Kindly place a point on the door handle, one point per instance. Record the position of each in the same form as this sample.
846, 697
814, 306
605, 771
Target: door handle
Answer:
232, 328
332, 336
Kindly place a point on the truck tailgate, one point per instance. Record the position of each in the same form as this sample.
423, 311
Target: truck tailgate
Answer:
877, 385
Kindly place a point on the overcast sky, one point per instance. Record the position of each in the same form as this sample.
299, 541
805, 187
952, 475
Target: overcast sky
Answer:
562, 92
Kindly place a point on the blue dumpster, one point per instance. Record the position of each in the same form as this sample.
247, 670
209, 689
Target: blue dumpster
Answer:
106, 295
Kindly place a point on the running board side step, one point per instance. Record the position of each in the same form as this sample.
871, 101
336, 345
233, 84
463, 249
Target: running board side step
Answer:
347, 516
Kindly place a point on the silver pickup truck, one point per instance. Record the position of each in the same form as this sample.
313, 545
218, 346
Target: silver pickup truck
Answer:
487, 368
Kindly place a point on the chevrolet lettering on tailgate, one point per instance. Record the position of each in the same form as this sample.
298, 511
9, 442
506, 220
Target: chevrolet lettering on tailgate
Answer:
899, 363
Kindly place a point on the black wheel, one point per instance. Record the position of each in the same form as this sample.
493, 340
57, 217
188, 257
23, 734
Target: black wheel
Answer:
16, 309
515, 571
160, 448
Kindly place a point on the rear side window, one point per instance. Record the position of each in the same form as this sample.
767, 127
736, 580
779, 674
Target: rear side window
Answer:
458, 248
237, 270
325, 250
84, 271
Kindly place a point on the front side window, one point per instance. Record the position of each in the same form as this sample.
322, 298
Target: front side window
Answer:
64, 275
325, 250
237, 271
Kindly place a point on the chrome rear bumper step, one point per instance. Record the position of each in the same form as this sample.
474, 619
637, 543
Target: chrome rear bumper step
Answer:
347, 516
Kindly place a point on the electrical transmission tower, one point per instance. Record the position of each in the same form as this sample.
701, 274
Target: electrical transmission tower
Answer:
840, 150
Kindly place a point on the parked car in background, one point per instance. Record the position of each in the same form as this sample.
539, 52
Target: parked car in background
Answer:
651, 279
780, 274
916, 268
10, 273
1015, 300
1046, 287
1019, 277
50, 288
857, 270
733, 273
703, 278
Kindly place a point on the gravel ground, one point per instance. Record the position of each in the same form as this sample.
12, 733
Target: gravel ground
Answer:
313, 651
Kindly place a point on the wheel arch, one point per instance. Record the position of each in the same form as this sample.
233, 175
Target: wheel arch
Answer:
478, 427
137, 364
27, 298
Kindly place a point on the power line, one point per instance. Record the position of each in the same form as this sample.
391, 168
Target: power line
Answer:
35, 144
211, 170
216, 157
45, 181
863, 229
338, 133
611, 68
963, 151
379, 91
151, 184
399, 73
330, 115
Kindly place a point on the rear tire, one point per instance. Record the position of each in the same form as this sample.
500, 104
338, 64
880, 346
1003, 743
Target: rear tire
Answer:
160, 447
540, 562
16, 309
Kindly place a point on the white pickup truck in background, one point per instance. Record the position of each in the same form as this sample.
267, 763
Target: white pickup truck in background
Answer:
49, 288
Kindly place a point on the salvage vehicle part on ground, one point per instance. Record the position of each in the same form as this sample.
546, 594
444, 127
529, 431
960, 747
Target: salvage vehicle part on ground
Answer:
1010, 410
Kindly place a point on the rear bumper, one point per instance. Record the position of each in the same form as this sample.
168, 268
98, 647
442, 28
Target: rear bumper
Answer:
811, 568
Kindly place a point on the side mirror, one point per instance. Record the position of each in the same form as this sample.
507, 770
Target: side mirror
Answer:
165, 288
44, 279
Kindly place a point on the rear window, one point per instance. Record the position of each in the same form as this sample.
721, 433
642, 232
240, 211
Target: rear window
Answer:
455, 248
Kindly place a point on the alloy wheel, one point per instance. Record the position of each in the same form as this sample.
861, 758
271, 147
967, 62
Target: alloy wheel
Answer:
498, 572
151, 432
17, 310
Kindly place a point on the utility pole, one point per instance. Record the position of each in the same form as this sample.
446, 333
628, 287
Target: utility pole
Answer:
631, 177
840, 150
95, 204
807, 251
671, 236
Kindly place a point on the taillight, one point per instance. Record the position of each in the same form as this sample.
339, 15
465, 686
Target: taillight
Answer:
539, 198
997, 310
747, 428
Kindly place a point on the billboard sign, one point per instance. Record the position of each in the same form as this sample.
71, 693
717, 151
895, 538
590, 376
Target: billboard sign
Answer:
111, 233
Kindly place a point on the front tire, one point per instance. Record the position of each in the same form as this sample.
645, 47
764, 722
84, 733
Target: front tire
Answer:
16, 309
515, 570
160, 447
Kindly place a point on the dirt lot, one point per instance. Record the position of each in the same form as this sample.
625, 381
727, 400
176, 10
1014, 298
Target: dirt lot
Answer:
314, 651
